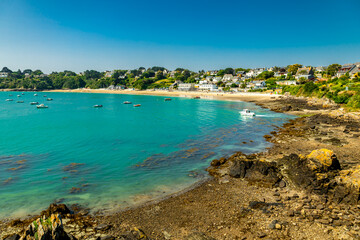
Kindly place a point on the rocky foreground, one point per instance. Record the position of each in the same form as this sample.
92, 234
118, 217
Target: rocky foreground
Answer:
307, 186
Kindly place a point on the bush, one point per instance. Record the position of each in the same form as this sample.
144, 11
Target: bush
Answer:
354, 101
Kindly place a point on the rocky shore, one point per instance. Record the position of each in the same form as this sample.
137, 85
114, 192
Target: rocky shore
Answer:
306, 186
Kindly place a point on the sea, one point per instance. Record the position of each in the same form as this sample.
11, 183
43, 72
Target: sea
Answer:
116, 156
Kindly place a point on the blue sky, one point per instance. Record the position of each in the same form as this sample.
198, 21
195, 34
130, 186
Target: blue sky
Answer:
198, 34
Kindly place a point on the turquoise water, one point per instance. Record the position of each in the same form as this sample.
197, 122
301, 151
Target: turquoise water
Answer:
121, 155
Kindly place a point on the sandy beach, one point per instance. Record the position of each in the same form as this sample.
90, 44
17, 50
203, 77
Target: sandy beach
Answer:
207, 95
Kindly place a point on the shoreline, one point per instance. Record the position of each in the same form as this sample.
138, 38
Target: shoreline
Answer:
255, 98
248, 97
156, 215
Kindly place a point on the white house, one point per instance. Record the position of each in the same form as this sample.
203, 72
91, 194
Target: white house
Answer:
227, 77
108, 74
203, 81
3, 74
216, 79
186, 87
208, 87
209, 78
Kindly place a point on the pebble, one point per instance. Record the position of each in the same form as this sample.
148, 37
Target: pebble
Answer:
261, 234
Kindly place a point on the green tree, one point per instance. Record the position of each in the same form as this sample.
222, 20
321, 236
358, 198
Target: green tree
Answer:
293, 68
37, 72
333, 69
265, 75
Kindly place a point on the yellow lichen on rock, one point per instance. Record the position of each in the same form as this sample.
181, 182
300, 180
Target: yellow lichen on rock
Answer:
323, 159
351, 177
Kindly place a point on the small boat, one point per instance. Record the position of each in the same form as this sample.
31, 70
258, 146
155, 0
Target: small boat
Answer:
9, 100
22, 93
196, 97
19, 95
137, 105
45, 96
49, 99
98, 106
10, 95
41, 106
246, 112
34, 103
20, 101
35, 94
126, 102
167, 99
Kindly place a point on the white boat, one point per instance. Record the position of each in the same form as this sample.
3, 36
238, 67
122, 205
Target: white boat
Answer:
41, 106
126, 102
34, 103
9, 100
35, 94
246, 112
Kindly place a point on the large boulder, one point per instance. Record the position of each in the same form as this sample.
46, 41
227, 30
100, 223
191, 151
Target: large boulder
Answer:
250, 167
46, 229
323, 160
348, 188
305, 173
54, 208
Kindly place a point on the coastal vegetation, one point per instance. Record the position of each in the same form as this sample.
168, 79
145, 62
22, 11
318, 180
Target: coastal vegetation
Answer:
296, 79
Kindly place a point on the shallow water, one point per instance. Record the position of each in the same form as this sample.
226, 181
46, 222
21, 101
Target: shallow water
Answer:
120, 155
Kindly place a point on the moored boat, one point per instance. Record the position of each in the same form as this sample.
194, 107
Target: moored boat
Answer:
126, 102
98, 106
20, 101
45, 96
41, 106
35, 94
49, 99
18, 95
9, 100
34, 103
246, 112
167, 99
196, 97
137, 105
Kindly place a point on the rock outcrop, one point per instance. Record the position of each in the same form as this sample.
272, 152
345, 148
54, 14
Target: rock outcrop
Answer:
319, 172
46, 229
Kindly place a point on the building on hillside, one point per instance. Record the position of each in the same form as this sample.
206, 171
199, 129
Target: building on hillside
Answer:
355, 70
172, 74
227, 77
204, 81
259, 84
3, 74
109, 74
305, 72
208, 87
212, 72
286, 83
345, 69
320, 69
236, 79
216, 79
186, 87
